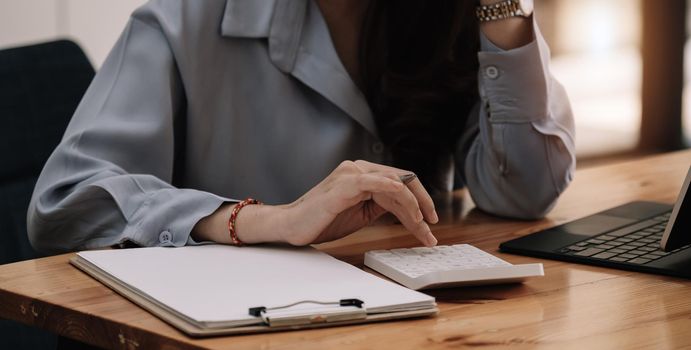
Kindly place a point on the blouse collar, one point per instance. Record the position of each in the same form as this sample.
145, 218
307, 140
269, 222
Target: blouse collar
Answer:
300, 45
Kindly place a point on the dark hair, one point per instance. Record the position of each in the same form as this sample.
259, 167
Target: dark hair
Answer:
419, 68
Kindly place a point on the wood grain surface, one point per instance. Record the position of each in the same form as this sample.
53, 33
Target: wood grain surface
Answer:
572, 307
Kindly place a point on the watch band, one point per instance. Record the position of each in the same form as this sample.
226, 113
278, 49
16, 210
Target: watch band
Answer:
497, 11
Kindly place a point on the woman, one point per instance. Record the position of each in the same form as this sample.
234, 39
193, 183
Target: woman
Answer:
203, 101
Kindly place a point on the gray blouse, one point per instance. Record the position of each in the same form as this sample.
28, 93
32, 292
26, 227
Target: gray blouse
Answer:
200, 102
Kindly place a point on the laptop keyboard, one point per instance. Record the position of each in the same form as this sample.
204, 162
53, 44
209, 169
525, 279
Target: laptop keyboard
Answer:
636, 244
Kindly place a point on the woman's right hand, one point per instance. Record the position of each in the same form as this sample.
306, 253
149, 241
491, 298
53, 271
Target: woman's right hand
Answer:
353, 196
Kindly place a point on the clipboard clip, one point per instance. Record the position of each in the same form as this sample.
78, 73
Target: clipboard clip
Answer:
348, 309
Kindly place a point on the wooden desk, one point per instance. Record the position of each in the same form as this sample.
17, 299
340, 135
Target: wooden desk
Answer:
573, 306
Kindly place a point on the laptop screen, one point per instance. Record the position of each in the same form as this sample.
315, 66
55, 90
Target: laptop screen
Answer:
678, 231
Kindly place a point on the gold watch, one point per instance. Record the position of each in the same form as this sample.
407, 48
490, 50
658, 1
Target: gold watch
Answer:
504, 9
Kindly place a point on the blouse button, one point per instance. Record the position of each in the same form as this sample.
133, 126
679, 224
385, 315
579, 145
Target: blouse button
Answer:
378, 148
492, 72
165, 237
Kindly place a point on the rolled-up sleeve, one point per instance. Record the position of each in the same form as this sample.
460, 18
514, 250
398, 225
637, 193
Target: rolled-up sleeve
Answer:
517, 153
109, 180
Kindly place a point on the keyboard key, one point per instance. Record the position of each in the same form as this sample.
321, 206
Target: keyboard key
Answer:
639, 261
576, 248
589, 252
627, 247
595, 241
660, 253
604, 246
604, 255
615, 243
624, 239
619, 259
628, 256
637, 252
617, 250
650, 256
606, 237
637, 244
647, 240
647, 249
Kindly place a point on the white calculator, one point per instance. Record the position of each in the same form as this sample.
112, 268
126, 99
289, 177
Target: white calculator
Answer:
447, 266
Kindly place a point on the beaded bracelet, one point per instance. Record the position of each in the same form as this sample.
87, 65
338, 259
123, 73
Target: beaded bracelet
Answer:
234, 215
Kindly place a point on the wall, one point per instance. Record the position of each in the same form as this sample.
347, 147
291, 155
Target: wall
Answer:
93, 24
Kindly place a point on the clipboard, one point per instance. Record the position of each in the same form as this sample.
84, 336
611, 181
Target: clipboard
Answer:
269, 316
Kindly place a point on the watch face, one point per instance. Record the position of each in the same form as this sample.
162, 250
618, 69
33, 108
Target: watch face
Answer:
526, 7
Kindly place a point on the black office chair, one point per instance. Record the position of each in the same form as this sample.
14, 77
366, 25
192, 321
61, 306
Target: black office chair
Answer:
40, 87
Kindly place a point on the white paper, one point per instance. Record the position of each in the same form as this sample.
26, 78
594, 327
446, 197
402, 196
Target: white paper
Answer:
216, 283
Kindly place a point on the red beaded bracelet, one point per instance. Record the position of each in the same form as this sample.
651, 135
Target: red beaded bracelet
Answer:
234, 215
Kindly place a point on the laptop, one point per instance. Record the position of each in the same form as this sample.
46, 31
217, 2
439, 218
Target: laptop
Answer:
639, 236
